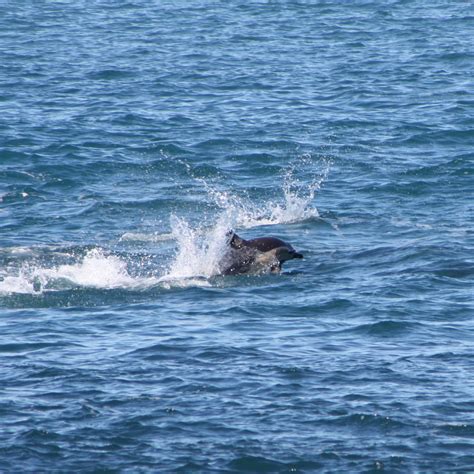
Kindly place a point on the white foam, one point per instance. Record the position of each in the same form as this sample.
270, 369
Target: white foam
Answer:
15, 284
95, 270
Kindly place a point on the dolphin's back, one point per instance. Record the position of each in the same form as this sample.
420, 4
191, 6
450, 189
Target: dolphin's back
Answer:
265, 244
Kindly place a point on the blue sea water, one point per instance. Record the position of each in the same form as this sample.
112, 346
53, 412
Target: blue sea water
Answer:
135, 134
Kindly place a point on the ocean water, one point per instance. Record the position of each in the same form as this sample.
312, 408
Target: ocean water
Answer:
135, 134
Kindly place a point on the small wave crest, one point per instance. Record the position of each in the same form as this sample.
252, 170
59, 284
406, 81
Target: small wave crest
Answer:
143, 237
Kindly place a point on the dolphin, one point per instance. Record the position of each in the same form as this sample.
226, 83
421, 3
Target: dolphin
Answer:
255, 256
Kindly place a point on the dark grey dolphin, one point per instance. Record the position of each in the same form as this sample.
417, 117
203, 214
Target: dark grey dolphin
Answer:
261, 255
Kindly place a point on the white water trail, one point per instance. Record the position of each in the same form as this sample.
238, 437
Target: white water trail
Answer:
95, 270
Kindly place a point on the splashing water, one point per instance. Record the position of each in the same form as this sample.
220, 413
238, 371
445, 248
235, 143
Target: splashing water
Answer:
96, 270
298, 195
16, 284
297, 206
199, 250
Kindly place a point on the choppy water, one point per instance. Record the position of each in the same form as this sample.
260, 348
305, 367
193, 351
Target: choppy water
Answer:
134, 134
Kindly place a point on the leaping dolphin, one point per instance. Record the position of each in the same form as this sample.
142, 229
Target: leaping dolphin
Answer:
261, 255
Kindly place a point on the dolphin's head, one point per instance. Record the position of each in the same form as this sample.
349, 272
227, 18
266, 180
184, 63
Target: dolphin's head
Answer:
286, 252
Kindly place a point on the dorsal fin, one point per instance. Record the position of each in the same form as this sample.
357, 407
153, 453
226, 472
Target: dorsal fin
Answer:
235, 241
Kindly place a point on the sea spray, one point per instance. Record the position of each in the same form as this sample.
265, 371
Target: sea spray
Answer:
298, 194
301, 179
199, 250
296, 205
